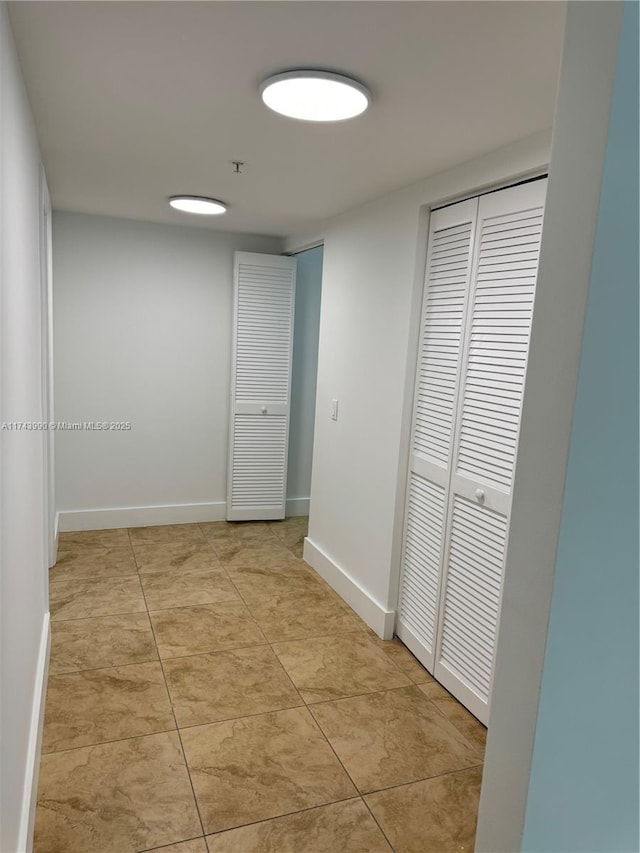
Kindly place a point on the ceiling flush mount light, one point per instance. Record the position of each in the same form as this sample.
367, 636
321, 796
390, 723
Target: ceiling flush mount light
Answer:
315, 95
198, 204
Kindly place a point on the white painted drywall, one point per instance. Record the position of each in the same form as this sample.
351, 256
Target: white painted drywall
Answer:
573, 195
142, 319
303, 375
23, 558
586, 798
371, 289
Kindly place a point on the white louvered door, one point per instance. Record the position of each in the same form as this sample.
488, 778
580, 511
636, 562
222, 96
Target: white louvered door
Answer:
469, 388
264, 297
447, 276
505, 269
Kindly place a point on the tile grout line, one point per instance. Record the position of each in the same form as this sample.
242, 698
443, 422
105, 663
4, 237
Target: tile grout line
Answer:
377, 822
459, 730
173, 844
423, 779
308, 705
315, 722
268, 642
352, 780
104, 742
285, 815
175, 720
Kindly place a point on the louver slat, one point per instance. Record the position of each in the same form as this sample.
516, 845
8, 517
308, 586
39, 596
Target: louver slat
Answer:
259, 446
422, 559
446, 284
264, 310
492, 396
471, 601
264, 288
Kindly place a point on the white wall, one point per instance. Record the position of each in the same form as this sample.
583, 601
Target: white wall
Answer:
371, 291
573, 197
587, 798
23, 565
143, 319
303, 379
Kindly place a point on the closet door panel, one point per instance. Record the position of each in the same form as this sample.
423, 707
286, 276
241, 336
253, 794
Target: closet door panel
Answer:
447, 275
264, 291
505, 267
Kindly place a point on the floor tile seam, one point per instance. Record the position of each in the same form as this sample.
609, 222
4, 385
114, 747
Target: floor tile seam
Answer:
317, 636
240, 717
172, 844
288, 677
337, 757
157, 648
135, 574
181, 573
194, 604
215, 652
399, 668
92, 577
212, 651
175, 720
359, 631
252, 716
366, 794
157, 543
314, 702
333, 597
377, 823
99, 615
108, 616
244, 544
244, 601
111, 740
73, 546
459, 730
366, 693
80, 551
100, 668
285, 814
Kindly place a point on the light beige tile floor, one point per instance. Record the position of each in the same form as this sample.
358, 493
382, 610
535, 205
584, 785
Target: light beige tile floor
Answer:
209, 693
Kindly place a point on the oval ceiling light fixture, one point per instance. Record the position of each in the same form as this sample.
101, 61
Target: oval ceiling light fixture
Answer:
311, 95
198, 204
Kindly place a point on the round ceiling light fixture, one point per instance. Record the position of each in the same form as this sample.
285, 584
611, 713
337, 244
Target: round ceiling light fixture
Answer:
311, 95
198, 204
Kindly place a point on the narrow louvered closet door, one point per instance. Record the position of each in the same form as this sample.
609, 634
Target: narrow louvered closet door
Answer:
504, 276
449, 254
264, 291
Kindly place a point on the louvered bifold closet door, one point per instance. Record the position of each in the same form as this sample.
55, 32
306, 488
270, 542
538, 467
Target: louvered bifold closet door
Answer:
264, 295
505, 268
449, 254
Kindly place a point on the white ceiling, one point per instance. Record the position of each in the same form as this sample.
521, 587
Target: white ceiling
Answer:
136, 101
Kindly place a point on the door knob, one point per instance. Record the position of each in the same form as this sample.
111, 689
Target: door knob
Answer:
263, 409
479, 493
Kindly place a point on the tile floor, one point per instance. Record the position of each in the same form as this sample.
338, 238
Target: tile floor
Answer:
209, 693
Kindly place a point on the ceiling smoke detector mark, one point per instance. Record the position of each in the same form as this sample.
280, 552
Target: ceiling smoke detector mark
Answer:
237, 166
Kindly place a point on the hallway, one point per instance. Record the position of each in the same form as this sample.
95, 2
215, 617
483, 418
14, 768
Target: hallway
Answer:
208, 691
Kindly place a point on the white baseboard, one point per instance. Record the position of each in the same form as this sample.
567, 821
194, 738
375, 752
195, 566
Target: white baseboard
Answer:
141, 516
297, 506
30, 790
374, 614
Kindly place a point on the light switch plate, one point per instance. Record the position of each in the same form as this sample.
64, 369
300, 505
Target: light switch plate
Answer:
334, 410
